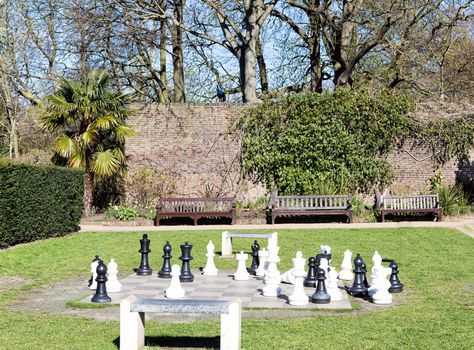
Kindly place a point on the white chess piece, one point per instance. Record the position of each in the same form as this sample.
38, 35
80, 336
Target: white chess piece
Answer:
175, 291
272, 275
376, 265
210, 269
288, 276
332, 287
324, 264
112, 284
346, 267
325, 248
94, 264
298, 297
382, 295
241, 274
262, 256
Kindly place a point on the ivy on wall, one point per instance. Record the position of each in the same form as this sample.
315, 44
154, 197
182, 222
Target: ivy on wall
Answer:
337, 142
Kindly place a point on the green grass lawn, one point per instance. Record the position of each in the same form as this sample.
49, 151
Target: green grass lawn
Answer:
437, 268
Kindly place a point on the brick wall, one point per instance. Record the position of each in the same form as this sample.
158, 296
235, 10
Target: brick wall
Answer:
191, 143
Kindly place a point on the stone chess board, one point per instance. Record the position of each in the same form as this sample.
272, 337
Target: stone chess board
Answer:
220, 287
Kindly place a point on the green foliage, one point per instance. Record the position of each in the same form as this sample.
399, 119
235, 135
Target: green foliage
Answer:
38, 202
435, 181
325, 143
121, 212
453, 200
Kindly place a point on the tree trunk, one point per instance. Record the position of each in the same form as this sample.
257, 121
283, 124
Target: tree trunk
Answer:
164, 90
178, 67
315, 50
88, 188
262, 67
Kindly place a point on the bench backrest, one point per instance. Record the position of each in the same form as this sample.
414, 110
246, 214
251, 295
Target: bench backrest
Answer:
311, 202
170, 306
430, 201
186, 205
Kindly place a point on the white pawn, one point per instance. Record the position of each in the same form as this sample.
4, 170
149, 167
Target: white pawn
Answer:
112, 284
382, 295
376, 265
94, 264
332, 288
346, 267
298, 297
210, 269
241, 274
175, 291
272, 277
262, 256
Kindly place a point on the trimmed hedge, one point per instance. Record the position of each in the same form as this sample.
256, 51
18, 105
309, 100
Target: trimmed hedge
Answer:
38, 202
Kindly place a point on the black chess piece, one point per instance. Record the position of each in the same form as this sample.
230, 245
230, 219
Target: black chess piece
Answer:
255, 260
358, 287
321, 295
144, 269
364, 269
397, 286
165, 271
186, 275
100, 295
318, 260
310, 280
90, 279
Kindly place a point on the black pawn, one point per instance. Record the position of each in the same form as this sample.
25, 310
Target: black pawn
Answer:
165, 271
318, 260
144, 269
90, 279
358, 287
100, 295
255, 261
397, 286
321, 295
186, 275
364, 268
310, 280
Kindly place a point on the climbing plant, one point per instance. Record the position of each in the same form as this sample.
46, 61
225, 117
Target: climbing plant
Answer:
332, 142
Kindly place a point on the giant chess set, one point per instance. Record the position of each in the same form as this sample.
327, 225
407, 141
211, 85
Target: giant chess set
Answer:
261, 285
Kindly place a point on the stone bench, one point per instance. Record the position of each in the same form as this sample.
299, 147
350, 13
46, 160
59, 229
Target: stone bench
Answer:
425, 203
227, 240
132, 318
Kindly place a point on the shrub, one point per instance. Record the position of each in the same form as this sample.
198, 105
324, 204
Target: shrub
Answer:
453, 200
146, 185
325, 143
38, 202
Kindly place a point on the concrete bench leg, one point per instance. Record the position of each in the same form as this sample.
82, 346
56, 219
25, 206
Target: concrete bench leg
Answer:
231, 327
226, 245
132, 327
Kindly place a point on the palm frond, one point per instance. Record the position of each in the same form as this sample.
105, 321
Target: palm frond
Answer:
65, 146
105, 122
105, 163
121, 131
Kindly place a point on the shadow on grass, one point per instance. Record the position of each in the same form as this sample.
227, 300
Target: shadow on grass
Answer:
170, 342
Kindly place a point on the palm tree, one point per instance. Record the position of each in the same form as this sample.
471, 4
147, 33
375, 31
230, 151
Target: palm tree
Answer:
89, 118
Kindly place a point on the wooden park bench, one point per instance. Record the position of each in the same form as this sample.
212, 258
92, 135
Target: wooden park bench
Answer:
288, 206
411, 204
196, 208
132, 318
